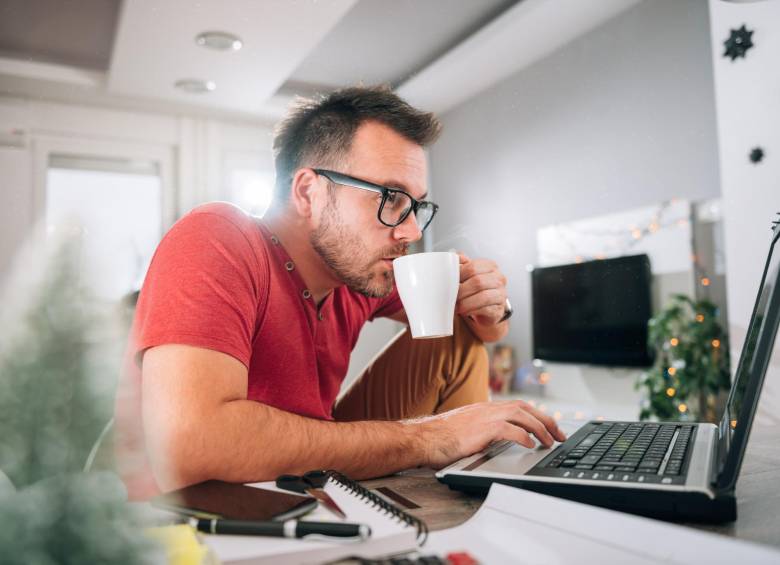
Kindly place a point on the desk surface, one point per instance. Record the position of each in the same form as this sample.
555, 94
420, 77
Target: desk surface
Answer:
758, 495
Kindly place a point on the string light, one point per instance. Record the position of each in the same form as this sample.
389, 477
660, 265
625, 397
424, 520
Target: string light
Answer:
622, 239
733, 424
670, 392
715, 343
682, 408
557, 415
600, 418
544, 378
672, 371
699, 318
705, 281
578, 415
674, 342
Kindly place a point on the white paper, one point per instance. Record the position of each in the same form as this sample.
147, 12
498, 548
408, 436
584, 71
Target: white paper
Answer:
519, 526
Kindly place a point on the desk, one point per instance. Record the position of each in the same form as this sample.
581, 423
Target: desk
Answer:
758, 494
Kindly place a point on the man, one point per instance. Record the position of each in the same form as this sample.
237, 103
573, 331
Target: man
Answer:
244, 327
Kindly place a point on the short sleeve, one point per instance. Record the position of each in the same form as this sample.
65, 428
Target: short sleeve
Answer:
204, 288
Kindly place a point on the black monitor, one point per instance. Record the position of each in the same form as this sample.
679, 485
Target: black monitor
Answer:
594, 312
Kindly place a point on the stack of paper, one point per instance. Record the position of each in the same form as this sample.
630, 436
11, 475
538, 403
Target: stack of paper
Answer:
518, 526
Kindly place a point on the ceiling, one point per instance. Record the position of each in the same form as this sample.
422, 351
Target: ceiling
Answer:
436, 53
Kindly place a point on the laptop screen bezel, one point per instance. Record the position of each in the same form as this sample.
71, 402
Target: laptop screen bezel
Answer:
732, 446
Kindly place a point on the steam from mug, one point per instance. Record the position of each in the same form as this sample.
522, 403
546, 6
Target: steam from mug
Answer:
428, 286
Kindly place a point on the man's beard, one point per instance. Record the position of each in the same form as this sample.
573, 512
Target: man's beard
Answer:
345, 254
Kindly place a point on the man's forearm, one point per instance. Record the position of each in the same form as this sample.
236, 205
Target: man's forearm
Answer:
246, 441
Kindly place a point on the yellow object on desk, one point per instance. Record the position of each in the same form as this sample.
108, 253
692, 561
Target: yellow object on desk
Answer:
182, 545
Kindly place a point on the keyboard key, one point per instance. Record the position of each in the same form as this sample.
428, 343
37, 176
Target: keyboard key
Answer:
590, 459
583, 466
569, 463
604, 467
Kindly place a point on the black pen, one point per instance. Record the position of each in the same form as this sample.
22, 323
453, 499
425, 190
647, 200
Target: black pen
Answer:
286, 529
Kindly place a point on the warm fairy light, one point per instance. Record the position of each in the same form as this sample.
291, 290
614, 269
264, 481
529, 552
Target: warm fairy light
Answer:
672, 371
733, 424
578, 259
699, 317
601, 256
674, 342
578, 415
600, 418
544, 378
652, 228
557, 415
670, 391
715, 343
636, 234
682, 408
705, 281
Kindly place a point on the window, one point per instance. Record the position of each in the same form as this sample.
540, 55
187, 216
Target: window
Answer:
117, 203
251, 190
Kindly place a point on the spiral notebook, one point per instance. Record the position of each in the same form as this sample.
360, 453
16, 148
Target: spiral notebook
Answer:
393, 531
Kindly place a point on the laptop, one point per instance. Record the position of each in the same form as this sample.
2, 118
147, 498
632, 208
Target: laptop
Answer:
668, 470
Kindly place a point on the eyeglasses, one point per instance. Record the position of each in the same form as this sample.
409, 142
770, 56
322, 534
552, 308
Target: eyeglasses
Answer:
396, 204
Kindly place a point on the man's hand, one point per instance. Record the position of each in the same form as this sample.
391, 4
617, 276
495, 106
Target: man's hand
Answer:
482, 297
466, 430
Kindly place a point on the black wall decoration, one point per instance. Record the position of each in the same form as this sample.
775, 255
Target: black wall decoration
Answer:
756, 155
738, 43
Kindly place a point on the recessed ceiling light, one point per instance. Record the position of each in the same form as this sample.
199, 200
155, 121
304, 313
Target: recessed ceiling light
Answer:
195, 85
219, 40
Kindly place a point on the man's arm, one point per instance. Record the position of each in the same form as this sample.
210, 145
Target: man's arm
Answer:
199, 425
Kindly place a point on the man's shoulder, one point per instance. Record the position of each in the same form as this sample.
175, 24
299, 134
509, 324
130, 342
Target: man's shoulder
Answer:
222, 211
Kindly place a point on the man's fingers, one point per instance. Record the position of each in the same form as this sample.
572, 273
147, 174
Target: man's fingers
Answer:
549, 422
532, 424
518, 435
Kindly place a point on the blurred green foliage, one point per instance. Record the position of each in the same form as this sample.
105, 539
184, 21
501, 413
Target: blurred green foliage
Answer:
691, 363
57, 379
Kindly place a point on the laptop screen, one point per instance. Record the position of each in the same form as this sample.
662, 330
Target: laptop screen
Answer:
753, 362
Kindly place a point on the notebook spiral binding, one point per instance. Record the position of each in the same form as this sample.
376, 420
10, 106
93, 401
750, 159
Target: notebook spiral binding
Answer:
380, 503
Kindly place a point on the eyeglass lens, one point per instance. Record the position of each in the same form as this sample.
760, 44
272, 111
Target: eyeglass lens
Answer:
397, 206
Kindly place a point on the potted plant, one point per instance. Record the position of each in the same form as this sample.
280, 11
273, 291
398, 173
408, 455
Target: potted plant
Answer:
691, 368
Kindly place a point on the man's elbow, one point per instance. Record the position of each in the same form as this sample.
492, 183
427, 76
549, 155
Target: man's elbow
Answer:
176, 452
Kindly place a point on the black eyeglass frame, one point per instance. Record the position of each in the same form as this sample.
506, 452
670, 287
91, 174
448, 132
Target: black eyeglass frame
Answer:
346, 180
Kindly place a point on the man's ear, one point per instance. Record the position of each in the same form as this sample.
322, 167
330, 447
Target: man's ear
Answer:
304, 191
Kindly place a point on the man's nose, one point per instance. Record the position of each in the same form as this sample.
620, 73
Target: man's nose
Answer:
408, 230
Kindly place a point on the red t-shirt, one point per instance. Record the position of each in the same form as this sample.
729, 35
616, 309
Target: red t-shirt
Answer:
220, 280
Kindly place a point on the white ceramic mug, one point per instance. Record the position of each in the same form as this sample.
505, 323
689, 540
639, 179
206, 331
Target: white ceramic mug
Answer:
428, 286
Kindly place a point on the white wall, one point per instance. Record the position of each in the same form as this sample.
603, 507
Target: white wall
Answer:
621, 118
748, 111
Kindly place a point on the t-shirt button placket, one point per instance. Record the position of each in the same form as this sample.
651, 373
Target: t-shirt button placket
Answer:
306, 294
274, 240
289, 265
319, 316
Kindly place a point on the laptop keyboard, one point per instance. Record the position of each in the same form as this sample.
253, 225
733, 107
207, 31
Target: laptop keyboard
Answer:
624, 451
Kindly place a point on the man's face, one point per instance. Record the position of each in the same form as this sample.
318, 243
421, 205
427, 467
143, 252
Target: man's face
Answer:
349, 238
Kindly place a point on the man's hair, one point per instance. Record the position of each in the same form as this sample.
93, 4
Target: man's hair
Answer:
319, 132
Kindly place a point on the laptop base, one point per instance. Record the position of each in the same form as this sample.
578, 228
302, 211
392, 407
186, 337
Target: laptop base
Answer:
672, 506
